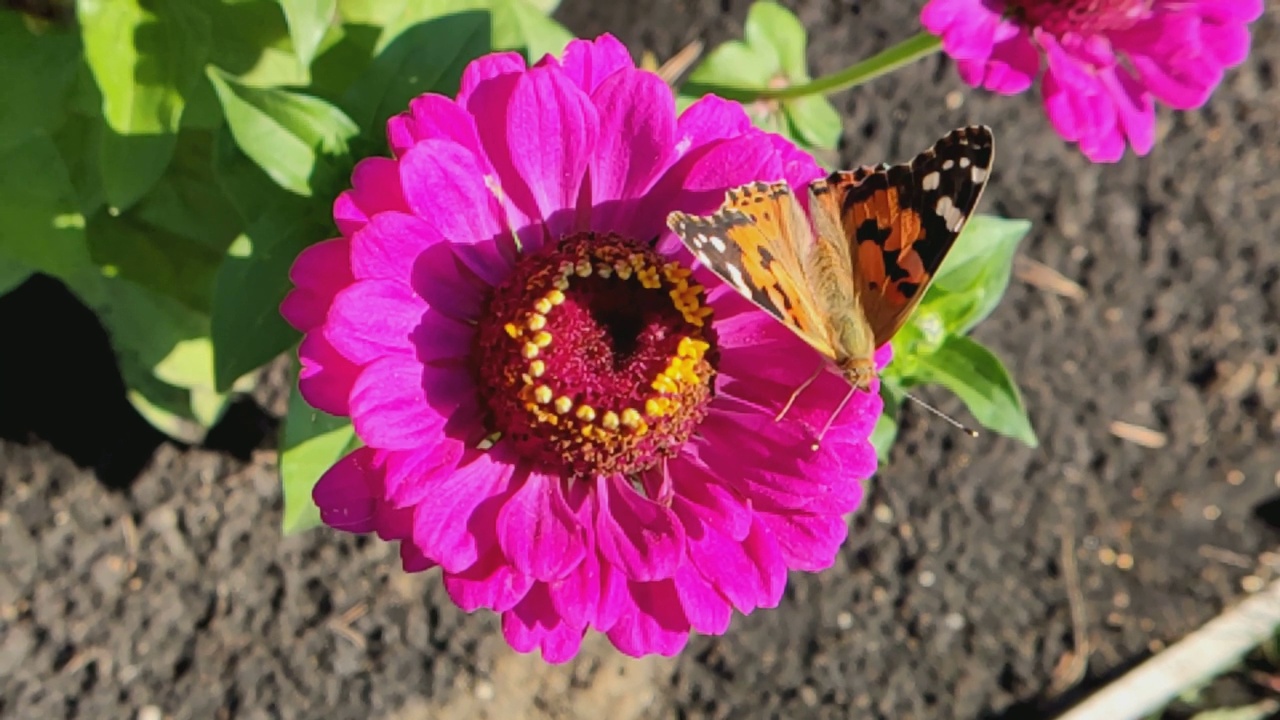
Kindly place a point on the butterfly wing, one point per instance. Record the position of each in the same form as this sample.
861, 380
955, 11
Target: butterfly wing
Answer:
899, 221
757, 243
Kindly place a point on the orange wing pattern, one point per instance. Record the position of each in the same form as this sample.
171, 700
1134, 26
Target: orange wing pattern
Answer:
900, 221
757, 243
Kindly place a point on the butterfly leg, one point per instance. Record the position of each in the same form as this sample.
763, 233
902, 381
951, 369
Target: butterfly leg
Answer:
834, 415
796, 395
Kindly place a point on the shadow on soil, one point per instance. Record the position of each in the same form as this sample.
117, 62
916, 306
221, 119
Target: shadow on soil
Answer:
59, 383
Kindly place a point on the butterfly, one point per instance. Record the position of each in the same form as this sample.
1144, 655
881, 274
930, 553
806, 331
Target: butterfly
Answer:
847, 282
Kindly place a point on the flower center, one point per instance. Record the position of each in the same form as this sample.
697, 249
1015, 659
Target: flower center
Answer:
596, 357
1085, 17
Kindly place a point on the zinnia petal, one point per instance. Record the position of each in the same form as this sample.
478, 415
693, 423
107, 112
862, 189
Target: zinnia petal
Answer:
445, 187
538, 532
552, 127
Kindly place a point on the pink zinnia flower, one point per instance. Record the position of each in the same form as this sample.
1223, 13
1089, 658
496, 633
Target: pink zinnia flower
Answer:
554, 411
1107, 61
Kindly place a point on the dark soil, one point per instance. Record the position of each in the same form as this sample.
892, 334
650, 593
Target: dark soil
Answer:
144, 579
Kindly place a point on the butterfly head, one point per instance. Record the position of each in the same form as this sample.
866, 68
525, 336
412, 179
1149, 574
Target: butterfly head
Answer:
858, 372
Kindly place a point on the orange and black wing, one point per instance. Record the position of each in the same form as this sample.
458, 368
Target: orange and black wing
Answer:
901, 220
756, 243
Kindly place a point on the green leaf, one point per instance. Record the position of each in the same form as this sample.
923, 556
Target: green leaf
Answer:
308, 20
145, 59
886, 425
164, 355
546, 7
427, 56
247, 327
977, 376
985, 247
131, 165
341, 62
39, 72
155, 331
814, 121
733, 64
376, 13
41, 227
313, 442
292, 137
518, 25
774, 30
972, 279
251, 41
78, 140
12, 274
154, 259
166, 407
253, 277
426, 44
188, 202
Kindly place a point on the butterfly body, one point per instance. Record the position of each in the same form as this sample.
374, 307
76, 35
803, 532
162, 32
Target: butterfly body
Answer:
845, 276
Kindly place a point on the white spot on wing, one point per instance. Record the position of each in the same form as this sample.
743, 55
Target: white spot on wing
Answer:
735, 277
931, 181
948, 164
978, 174
950, 213
965, 162
717, 243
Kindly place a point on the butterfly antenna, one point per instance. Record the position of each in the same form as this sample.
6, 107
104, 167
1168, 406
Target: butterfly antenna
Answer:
832, 418
796, 395
957, 424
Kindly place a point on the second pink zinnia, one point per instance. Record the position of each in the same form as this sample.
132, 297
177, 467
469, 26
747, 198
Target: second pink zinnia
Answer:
1106, 61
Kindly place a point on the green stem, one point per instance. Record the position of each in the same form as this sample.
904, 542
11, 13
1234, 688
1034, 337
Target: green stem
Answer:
904, 53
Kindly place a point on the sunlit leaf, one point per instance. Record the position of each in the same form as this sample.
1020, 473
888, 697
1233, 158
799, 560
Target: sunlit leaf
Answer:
732, 64
166, 407
145, 58
775, 32
978, 378
976, 273
289, 135
814, 121
886, 430
164, 354
251, 42
308, 21
519, 25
